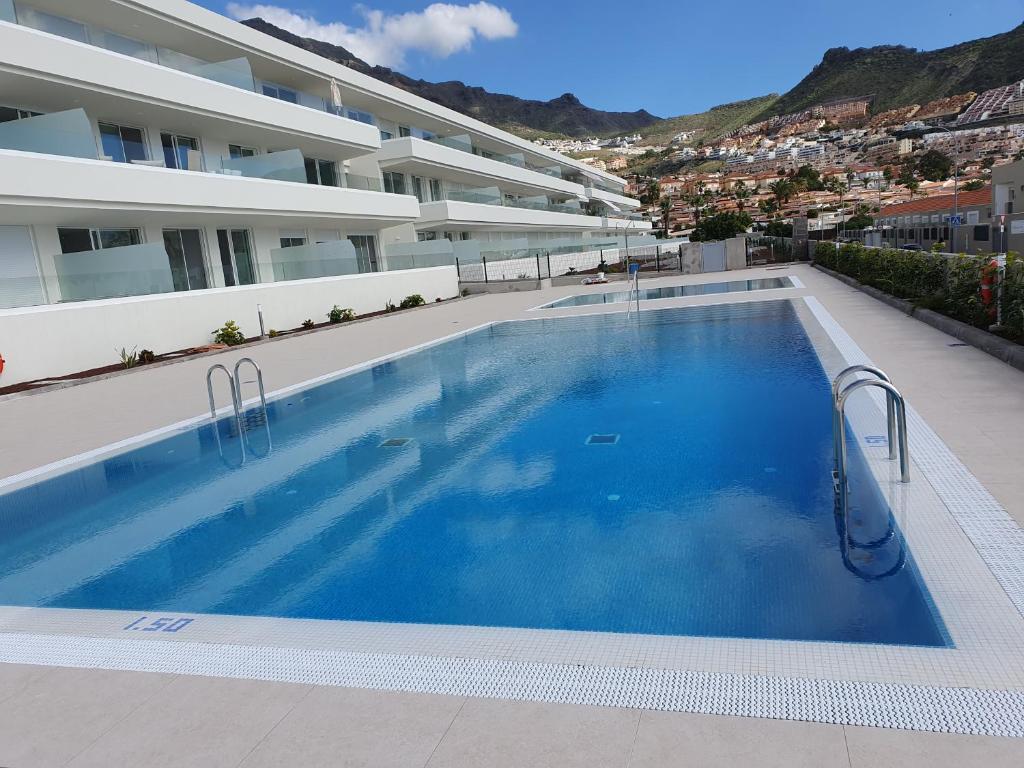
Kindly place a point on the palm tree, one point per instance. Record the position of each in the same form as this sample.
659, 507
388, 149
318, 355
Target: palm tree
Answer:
782, 189
666, 206
742, 194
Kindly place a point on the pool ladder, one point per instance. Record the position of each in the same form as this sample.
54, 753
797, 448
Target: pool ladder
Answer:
244, 421
634, 290
895, 419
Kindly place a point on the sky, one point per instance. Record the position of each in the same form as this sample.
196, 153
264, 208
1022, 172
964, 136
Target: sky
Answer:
669, 57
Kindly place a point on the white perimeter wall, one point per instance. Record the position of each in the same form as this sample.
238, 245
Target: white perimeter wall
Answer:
47, 341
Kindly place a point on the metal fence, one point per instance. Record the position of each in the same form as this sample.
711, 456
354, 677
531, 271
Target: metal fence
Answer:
540, 264
776, 250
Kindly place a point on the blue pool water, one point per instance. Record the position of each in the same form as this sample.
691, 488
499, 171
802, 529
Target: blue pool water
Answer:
673, 292
710, 514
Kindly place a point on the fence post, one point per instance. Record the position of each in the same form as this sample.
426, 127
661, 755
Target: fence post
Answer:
537, 257
484, 260
547, 255
680, 258
458, 272
657, 258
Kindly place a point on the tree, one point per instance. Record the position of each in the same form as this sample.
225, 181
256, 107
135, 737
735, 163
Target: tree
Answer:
742, 193
721, 226
973, 184
665, 204
768, 207
807, 178
933, 165
778, 229
859, 221
783, 190
651, 193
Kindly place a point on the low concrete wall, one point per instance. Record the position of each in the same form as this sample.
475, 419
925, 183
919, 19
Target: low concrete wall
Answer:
49, 341
736, 253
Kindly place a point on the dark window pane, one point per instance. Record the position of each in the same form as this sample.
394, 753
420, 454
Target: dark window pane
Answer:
226, 263
118, 238
134, 144
167, 142
328, 177
110, 137
192, 243
311, 177
7, 114
74, 240
243, 257
176, 259
981, 233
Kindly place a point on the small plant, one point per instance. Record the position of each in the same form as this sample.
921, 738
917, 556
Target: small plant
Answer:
464, 292
129, 359
339, 315
415, 300
229, 334
307, 324
273, 333
390, 306
438, 300
146, 356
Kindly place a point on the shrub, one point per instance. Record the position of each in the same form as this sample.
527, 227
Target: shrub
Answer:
146, 356
438, 300
339, 315
464, 292
307, 323
390, 306
273, 334
415, 300
229, 334
128, 359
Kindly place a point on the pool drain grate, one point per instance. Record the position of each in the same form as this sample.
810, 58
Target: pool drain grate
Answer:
602, 440
395, 442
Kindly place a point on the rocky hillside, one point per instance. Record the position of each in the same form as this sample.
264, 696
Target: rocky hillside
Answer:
898, 75
564, 115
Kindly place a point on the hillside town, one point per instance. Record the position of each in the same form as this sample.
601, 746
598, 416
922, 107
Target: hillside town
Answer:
837, 163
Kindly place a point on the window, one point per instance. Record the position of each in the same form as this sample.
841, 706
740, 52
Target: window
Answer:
435, 190
280, 92
55, 25
185, 254
236, 256
417, 188
366, 251
292, 239
981, 233
123, 144
176, 149
385, 135
76, 240
321, 172
7, 114
236, 151
394, 183
359, 116
404, 130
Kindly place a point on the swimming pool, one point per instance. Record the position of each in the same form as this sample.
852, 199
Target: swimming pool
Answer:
673, 292
669, 475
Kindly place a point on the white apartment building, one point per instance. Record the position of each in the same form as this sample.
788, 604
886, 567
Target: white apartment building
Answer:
164, 169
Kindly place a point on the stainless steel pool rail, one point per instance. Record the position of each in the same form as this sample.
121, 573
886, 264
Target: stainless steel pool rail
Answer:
261, 418
234, 394
634, 289
896, 418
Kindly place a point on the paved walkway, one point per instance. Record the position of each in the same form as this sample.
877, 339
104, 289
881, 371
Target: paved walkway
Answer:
56, 716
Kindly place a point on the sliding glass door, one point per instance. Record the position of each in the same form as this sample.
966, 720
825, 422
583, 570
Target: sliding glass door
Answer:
236, 256
185, 254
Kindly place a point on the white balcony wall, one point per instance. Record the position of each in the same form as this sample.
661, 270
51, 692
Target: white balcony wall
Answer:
452, 214
56, 60
90, 332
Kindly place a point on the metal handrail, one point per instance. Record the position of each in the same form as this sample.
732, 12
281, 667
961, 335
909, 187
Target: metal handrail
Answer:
890, 413
634, 288
900, 407
234, 404
263, 402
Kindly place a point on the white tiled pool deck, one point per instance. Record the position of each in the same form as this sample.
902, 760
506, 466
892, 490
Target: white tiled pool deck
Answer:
250, 691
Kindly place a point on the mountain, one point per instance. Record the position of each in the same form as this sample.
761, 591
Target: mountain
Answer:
898, 75
714, 123
525, 117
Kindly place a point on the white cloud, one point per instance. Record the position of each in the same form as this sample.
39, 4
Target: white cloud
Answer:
440, 29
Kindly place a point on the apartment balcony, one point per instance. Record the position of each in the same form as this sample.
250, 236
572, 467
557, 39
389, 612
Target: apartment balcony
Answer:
52, 73
44, 188
479, 212
612, 198
455, 161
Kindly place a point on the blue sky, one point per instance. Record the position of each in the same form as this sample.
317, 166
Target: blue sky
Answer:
667, 56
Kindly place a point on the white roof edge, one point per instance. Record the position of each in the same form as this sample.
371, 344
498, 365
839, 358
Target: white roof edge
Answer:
210, 22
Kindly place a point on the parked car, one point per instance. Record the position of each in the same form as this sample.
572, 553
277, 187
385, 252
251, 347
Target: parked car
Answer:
911, 247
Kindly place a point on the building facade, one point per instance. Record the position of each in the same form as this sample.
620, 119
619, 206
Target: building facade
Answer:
154, 152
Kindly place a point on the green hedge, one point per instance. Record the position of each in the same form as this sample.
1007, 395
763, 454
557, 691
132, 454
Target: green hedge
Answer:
944, 283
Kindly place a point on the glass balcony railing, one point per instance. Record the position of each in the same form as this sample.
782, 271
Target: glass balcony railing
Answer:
65, 133
287, 165
464, 143
130, 270
365, 183
234, 72
304, 262
493, 196
7, 11
426, 253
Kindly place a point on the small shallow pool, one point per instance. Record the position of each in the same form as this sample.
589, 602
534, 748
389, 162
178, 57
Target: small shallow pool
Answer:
673, 292
666, 475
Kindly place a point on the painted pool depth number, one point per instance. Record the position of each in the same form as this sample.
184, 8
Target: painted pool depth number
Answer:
162, 624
